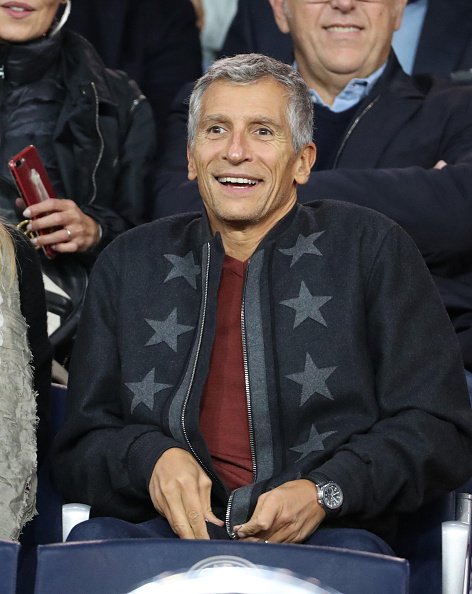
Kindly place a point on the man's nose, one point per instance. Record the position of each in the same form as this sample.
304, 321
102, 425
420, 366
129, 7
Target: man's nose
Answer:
237, 149
343, 5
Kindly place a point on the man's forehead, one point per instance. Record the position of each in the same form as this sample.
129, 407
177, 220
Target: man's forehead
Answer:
224, 97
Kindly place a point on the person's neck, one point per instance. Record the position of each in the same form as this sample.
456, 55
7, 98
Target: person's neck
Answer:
328, 88
240, 240
328, 85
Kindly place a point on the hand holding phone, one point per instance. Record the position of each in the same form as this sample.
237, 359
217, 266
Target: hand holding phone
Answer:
33, 183
60, 225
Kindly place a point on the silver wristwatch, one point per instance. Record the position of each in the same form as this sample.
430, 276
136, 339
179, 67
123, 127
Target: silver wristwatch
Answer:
330, 496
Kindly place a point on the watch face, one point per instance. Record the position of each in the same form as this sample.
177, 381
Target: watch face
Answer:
332, 496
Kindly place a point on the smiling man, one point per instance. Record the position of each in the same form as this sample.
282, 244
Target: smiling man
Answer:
259, 372
385, 140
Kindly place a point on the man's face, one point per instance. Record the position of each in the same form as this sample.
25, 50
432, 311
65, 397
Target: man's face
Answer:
243, 156
340, 37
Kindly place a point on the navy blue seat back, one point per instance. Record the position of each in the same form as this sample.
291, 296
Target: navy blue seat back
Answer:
118, 566
9, 552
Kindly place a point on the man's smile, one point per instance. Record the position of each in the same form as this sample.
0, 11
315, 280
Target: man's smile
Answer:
239, 181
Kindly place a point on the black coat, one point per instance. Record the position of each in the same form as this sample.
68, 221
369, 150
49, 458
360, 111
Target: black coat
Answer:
155, 42
445, 44
396, 136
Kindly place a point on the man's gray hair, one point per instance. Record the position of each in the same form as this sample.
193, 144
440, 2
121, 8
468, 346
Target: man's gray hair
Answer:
245, 69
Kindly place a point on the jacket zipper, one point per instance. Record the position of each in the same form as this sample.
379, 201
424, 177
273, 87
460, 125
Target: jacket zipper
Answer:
187, 396
246, 382
249, 411
102, 145
352, 127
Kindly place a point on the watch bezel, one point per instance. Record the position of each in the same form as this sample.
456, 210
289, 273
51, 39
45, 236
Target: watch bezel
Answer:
325, 499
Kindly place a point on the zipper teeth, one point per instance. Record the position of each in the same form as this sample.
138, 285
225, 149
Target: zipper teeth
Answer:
230, 532
187, 396
100, 154
351, 128
248, 390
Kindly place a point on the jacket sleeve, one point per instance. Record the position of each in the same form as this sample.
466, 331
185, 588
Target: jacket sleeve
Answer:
100, 458
133, 187
421, 445
434, 206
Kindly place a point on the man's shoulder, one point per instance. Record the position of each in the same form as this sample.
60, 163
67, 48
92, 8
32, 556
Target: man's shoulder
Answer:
157, 236
339, 213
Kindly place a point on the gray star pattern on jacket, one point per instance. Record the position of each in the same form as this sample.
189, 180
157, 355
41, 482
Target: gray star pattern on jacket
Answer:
167, 330
184, 267
145, 391
306, 306
314, 443
304, 245
312, 380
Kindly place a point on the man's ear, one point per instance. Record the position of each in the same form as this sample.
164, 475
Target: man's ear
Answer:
191, 169
399, 10
279, 15
304, 163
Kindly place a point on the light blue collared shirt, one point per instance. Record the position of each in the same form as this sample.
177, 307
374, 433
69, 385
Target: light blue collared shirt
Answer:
353, 92
406, 39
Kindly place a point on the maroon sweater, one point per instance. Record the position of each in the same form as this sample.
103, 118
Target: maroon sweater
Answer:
223, 411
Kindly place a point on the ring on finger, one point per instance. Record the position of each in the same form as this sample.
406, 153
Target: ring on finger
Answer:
69, 234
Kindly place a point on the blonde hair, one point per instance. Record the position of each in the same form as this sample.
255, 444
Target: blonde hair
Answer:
7, 254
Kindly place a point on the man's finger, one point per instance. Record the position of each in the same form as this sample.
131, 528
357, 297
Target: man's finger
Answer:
195, 514
210, 517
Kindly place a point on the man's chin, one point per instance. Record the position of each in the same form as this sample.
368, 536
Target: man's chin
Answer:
237, 223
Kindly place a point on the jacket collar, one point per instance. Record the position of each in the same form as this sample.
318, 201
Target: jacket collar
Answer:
25, 63
278, 229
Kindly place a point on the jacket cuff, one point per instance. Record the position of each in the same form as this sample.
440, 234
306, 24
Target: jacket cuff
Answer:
143, 455
351, 475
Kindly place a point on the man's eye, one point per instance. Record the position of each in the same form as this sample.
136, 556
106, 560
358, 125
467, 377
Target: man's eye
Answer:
216, 130
263, 132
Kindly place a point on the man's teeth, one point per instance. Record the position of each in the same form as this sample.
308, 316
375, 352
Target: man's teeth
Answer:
339, 29
237, 180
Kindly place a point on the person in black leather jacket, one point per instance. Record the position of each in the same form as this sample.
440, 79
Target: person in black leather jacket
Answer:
92, 126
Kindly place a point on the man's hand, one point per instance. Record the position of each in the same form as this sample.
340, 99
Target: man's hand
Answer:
70, 230
181, 492
440, 164
289, 513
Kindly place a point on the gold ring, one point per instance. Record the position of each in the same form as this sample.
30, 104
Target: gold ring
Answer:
69, 234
